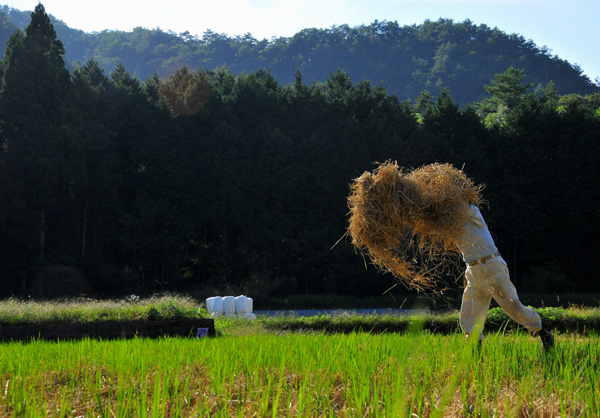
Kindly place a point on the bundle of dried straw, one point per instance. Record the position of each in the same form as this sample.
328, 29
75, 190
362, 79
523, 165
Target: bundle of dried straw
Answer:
398, 217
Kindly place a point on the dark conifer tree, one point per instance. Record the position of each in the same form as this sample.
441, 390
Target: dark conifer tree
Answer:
99, 198
40, 128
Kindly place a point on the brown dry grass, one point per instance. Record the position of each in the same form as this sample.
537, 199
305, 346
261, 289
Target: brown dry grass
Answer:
409, 222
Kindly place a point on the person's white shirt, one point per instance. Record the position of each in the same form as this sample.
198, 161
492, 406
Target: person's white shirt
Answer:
476, 241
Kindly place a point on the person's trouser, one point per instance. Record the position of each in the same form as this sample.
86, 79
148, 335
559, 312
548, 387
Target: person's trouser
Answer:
491, 280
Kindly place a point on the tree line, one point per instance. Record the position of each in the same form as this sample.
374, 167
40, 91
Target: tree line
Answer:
110, 185
458, 56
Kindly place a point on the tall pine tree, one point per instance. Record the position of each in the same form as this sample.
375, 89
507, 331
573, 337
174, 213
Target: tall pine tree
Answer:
40, 132
507, 90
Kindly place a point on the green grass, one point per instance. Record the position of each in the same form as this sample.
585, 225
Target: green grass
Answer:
252, 372
19, 312
447, 301
299, 367
574, 320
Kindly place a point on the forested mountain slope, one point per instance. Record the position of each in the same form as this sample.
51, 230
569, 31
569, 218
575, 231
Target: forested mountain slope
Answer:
214, 180
405, 59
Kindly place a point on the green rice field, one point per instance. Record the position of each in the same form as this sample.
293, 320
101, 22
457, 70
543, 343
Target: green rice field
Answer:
250, 373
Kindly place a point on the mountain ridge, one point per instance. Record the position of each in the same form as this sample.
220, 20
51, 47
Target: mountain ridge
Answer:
406, 60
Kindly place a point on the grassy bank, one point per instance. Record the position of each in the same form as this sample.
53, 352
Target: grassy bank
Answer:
576, 320
571, 320
25, 312
17, 312
439, 303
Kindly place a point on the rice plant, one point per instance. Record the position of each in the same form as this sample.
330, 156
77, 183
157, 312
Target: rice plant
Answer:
254, 374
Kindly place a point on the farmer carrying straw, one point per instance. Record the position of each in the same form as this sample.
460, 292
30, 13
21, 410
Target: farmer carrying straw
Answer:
429, 214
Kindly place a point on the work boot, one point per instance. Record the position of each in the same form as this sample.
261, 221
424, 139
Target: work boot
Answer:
547, 339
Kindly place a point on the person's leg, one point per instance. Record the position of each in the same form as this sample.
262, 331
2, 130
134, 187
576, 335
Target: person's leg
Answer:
473, 310
504, 292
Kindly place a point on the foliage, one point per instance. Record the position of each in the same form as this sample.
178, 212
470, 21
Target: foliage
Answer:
458, 56
105, 191
185, 93
43, 155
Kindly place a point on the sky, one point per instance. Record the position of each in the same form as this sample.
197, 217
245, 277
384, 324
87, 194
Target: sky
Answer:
569, 29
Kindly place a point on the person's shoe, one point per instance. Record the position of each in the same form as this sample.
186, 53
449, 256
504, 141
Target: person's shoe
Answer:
547, 339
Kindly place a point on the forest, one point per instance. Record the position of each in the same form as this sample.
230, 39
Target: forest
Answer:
209, 179
458, 56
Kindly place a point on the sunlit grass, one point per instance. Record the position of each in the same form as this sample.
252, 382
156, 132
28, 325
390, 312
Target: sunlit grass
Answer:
572, 319
259, 368
17, 312
253, 372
